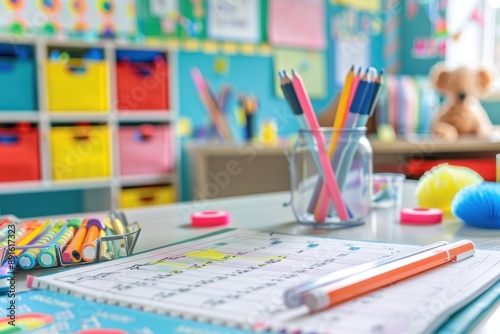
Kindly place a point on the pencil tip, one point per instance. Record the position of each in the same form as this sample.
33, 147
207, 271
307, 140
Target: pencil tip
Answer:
360, 69
352, 67
381, 71
281, 74
368, 70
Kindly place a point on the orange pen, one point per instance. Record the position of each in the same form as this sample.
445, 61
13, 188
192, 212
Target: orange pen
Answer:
72, 251
94, 228
357, 285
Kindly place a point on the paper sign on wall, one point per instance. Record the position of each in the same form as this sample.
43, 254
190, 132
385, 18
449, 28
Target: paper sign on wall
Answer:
297, 23
234, 20
428, 48
311, 66
350, 50
163, 7
364, 5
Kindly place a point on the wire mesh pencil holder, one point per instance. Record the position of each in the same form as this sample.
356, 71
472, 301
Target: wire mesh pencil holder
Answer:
352, 164
52, 254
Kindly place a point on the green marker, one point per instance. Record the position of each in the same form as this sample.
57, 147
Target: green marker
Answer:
48, 258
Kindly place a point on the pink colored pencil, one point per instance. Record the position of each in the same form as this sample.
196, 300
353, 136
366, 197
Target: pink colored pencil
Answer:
209, 103
331, 182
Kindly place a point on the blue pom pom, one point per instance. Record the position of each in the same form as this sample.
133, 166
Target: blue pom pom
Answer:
478, 205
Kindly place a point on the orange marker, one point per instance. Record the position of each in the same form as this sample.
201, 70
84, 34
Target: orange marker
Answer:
94, 228
357, 285
72, 251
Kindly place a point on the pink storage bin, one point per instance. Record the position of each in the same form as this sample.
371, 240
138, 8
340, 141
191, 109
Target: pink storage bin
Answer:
146, 149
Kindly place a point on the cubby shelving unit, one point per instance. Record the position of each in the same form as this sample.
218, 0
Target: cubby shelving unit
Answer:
99, 193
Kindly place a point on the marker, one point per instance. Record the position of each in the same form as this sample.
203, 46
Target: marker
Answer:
119, 229
89, 249
106, 251
72, 250
47, 257
294, 296
376, 278
28, 259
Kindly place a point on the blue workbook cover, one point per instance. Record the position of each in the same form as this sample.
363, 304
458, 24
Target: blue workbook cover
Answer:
41, 311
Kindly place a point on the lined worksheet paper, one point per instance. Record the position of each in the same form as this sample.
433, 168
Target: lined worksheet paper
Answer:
238, 278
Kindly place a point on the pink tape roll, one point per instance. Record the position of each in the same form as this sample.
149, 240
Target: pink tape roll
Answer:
210, 218
421, 216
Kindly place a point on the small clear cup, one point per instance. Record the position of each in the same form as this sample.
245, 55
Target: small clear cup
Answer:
387, 190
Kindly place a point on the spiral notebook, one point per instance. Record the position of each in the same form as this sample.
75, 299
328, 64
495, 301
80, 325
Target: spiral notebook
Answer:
237, 278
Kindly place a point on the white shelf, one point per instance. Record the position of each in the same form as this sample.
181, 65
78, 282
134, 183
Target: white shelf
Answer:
144, 180
62, 117
145, 116
65, 43
19, 116
8, 188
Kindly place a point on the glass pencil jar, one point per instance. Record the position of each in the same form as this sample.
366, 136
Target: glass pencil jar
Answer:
335, 198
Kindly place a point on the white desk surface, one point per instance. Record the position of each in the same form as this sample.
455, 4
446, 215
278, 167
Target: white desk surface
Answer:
163, 225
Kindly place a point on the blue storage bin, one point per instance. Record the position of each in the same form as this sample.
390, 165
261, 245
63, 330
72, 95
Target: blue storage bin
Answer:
17, 79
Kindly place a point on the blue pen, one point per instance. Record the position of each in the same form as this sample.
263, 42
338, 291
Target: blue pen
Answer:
369, 107
352, 117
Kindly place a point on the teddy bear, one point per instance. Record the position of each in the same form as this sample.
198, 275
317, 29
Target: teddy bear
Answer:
462, 112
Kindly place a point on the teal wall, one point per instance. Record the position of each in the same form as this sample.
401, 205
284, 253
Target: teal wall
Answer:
418, 26
41, 203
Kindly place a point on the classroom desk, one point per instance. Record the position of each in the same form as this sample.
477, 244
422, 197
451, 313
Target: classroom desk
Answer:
163, 225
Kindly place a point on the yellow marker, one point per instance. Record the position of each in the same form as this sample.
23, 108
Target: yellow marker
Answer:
118, 227
104, 248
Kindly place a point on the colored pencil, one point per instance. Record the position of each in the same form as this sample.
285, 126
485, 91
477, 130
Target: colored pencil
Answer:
340, 117
293, 102
348, 153
210, 105
355, 84
319, 199
330, 179
33, 236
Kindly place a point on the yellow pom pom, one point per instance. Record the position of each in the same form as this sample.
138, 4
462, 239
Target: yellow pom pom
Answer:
437, 187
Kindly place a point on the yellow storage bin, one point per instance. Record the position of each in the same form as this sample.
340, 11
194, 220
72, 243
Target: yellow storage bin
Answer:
80, 152
146, 196
77, 85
